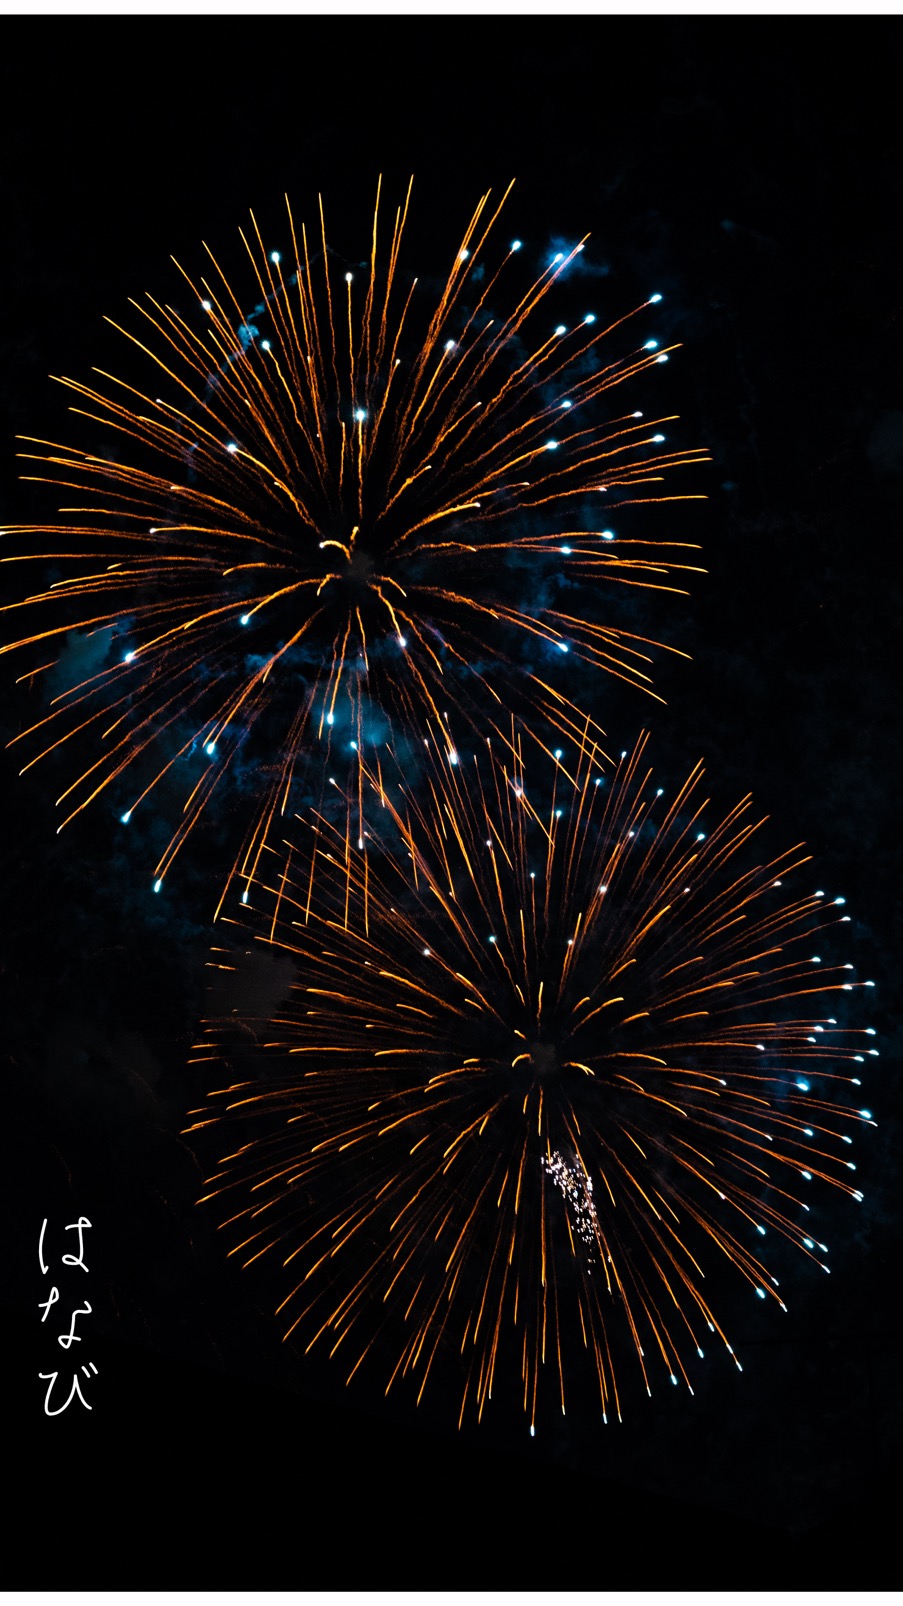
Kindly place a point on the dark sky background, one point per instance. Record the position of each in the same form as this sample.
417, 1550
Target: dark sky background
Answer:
750, 170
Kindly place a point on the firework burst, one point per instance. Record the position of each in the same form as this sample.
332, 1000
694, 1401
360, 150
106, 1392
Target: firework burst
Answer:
326, 508
556, 1047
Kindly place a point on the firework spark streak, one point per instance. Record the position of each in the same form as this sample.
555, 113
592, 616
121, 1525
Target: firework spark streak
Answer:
322, 518
555, 1048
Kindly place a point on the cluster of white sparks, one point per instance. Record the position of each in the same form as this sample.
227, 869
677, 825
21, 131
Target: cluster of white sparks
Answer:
576, 1186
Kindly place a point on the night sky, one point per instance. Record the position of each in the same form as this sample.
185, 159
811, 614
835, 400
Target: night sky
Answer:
749, 170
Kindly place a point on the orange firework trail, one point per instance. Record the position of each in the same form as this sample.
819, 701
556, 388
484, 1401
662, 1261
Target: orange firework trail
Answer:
543, 1064
323, 518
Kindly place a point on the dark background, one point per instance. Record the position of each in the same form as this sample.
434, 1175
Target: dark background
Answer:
750, 170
